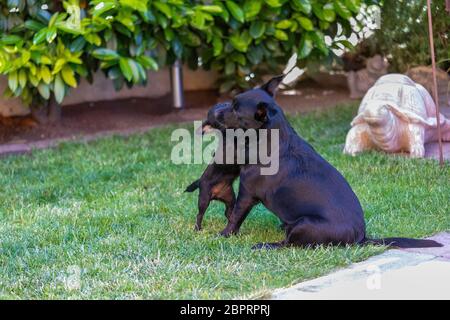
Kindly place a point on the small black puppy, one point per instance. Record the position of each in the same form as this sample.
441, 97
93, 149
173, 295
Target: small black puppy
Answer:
216, 183
312, 199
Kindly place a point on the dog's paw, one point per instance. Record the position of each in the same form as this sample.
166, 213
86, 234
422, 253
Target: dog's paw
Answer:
197, 228
227, 232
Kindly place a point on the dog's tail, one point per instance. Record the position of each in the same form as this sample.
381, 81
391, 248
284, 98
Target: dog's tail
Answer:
193, 186
403, 243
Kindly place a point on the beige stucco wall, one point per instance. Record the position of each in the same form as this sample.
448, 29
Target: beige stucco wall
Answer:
10, 107
102, 89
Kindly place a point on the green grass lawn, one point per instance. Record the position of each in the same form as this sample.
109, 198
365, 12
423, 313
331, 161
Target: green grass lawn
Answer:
113, 214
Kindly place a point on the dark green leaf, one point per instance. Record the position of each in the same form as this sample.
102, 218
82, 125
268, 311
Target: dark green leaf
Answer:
257, 29
281, 35
284, 24
217, 46
255, 55
235, 11
126, 69
239, 58
211, 8
34, 25
134, 70
10, 40
328, 12
148, 62
319, 42
39, 37
77, 44
59, 89
105, 54
306, 23
44, 90
102, 7
13, 81
191, 39
43, 16
252, 8
353, 5
274, 3
302, 5
52, 20
238, 42
68, 76
51, 34
198, 20
342, 10
305, 48
318, 11
347, 44
22, 78
164, 8
81, 70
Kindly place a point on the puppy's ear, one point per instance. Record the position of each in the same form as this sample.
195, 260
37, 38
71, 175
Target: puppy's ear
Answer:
271, 86
205, 128
261, 113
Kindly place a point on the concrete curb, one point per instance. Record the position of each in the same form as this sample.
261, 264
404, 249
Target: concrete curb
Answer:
395, 274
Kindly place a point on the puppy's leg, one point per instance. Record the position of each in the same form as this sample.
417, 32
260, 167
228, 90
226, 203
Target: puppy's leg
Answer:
242, 208
203, 202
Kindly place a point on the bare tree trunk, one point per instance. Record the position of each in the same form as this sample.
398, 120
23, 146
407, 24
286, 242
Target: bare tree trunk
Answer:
50, 113
54, 111
39, 113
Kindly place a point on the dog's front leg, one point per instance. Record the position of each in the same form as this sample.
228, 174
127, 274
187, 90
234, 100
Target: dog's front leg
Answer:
242, 208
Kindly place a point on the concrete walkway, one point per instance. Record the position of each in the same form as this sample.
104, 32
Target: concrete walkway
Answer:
395, 274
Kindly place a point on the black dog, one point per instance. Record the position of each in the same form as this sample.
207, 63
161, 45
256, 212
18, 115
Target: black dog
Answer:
312, 199
216, 183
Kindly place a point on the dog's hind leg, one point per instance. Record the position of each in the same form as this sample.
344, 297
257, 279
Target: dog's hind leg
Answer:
312, 233
229, 199
203, 203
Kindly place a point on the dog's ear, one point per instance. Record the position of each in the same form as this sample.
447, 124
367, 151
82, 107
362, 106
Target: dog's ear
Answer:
207, 128
262, 111
271, 86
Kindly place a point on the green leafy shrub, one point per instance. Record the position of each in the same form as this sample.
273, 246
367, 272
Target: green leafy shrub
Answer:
45, 49
403, 36
33, 52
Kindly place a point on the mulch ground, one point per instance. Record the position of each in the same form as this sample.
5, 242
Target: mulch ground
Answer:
134, 115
